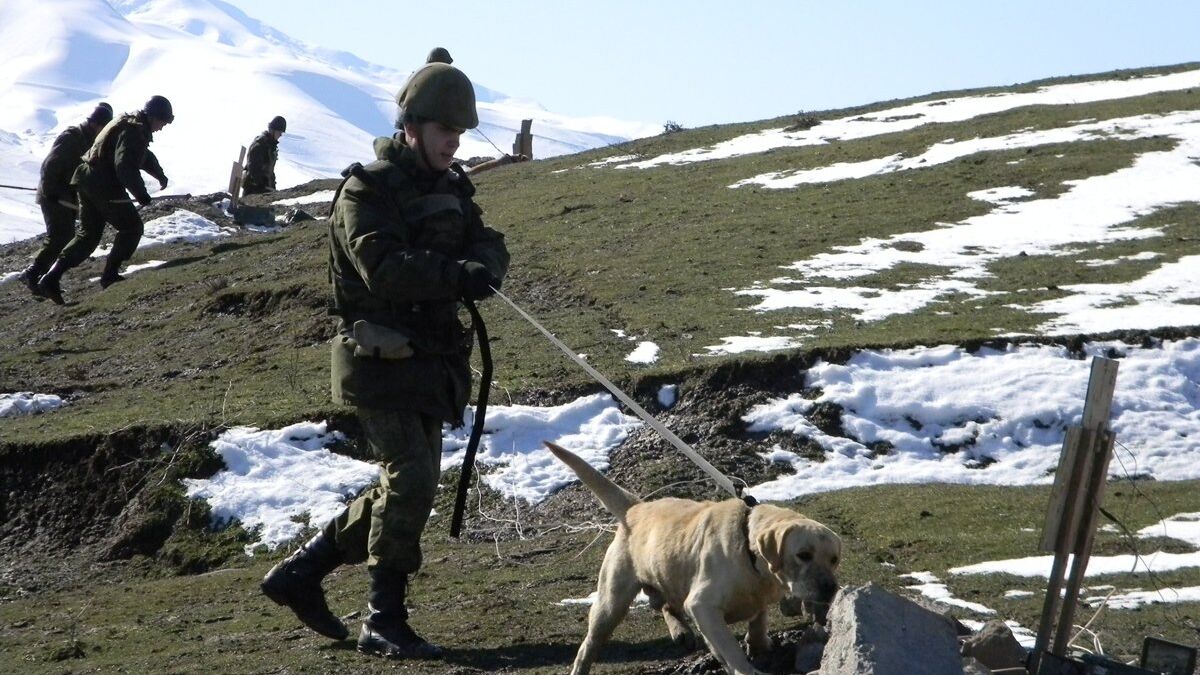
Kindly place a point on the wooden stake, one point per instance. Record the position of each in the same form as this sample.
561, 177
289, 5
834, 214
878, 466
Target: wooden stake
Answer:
235, 180
523, 143
1074, 502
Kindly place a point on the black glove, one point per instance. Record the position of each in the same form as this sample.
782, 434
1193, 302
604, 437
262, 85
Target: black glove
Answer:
144, 200
476, 281
162, 183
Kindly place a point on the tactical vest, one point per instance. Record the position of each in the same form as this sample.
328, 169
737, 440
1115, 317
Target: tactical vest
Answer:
437, 220
100, 160
260, 171
65, 156
103, 148
436, 217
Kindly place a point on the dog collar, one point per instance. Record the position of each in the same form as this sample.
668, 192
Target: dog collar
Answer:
749, 546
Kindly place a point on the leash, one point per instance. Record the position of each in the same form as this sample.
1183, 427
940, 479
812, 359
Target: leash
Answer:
719, 478
480, 132
485, 386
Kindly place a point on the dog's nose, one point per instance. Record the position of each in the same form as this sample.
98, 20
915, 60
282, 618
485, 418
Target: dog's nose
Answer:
827, 588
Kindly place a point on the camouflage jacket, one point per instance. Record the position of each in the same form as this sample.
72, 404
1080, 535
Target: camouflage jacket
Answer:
115, 160
65, 156
260, 164
398, 238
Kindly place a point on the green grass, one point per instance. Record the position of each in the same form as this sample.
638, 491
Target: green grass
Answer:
494, 605
235, 332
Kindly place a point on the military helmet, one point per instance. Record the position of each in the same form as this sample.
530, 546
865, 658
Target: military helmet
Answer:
102, 115
439, 92
439, 55
277, 124
159, 107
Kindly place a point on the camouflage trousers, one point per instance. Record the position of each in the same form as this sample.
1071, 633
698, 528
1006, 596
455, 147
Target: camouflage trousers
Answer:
384, 525
60, 228
94, 211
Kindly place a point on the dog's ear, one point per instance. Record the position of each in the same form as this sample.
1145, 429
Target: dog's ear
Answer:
771, 542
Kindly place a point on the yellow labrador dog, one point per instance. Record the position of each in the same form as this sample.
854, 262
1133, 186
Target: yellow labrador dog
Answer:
713, 562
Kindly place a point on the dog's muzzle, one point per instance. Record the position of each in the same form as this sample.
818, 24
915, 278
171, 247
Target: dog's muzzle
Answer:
790, 606
816, 604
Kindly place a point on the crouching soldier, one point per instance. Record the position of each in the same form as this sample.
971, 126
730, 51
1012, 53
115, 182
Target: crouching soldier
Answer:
60, 204
406, 244
261, 158
110, 168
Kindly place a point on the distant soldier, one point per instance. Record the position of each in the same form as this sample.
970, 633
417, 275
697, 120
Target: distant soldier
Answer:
110, 168
261, 158
407, 244
60, 204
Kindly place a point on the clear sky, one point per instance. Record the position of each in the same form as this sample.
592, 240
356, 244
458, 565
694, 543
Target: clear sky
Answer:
698, 62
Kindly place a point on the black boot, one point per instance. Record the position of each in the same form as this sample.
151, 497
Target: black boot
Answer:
29, 277
48, 286
111, 274
295, 583
386, 632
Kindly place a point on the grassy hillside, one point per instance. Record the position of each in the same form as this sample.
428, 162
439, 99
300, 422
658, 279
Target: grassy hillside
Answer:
495, 605
100, 549
235, 331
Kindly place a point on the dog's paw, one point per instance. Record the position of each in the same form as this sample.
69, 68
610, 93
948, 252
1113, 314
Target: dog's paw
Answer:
757, 649
685, 639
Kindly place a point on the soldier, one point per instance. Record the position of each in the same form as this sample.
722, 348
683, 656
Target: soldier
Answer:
261, 158
57, 198
406, 243
109, 169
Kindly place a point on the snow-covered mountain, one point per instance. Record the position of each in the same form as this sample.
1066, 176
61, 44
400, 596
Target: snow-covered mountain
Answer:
226, 74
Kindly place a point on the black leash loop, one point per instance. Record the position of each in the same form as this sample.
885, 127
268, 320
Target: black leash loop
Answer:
485, 386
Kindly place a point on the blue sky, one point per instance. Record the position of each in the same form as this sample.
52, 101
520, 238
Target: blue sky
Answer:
705, 62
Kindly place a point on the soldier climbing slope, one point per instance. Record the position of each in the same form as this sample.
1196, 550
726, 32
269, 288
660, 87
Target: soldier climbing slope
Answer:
261, 158
59, 202
406, 244
110, 168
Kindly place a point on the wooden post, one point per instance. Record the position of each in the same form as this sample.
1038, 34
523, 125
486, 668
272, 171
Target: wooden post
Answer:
1074, 502
235, 180
523, 143
1099, 447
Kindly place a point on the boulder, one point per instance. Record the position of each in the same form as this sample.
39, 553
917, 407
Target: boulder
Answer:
873, 631
995, 647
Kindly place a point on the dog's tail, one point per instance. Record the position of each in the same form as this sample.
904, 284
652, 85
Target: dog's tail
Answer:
614, 498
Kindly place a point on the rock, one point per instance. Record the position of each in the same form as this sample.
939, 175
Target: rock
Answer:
810, 648
875, 632
971, 666
995, 647
297, 215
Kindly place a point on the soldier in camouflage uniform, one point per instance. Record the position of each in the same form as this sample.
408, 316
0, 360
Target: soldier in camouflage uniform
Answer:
110, 168
406, 244
55, 195
261, 158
